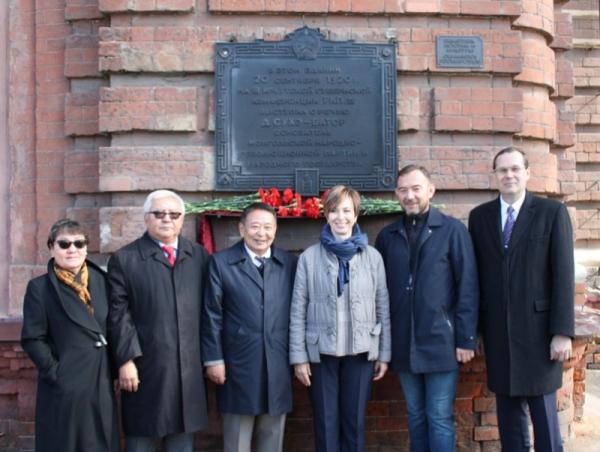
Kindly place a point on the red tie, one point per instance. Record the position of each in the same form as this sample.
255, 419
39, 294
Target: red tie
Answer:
170, 250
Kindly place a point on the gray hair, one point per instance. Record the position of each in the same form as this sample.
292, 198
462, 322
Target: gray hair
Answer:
159, 194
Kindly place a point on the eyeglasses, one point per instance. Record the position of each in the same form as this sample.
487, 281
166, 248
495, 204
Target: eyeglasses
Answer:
159, 214
66, 244
505, 170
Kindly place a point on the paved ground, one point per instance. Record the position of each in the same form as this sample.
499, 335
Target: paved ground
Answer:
588, 431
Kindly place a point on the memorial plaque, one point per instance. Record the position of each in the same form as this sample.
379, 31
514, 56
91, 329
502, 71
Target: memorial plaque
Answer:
459, 52
305, 112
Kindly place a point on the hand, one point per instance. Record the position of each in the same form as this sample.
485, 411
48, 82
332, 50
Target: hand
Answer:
128, 377
380, 370
464, 355
560, 348
216, 373
302, 372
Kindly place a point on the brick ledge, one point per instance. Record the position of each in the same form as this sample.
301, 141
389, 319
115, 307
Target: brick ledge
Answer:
10, 329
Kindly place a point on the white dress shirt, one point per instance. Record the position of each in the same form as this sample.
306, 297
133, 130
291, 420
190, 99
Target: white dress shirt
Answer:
515, 205
255, 257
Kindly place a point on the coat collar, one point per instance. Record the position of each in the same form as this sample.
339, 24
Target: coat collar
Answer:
494, 220
238, 253
435, 219
238, 256
77, 313
149, 249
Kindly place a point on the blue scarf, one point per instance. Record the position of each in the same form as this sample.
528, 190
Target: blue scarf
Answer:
344, 250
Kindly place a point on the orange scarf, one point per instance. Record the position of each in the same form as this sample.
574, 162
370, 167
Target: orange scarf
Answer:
78, 282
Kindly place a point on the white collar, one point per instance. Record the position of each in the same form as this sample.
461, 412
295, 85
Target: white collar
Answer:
515, 205
173, 245
254, 256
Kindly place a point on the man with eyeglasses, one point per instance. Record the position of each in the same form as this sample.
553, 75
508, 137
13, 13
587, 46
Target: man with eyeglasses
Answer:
156, 285
245, 333
524, 249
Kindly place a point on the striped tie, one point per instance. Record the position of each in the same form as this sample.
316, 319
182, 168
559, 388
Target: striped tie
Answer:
508, 226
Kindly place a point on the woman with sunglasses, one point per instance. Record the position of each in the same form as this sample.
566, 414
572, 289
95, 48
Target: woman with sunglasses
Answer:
64, 331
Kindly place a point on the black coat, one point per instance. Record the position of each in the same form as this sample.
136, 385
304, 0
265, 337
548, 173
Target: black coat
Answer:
246, 323
526, 293
435, 311
155, 320
75, 408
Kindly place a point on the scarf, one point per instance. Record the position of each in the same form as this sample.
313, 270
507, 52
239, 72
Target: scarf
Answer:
344, 251
78, 282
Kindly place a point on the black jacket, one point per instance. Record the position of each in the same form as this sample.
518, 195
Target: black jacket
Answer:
526, 293
75, 408
155, 320
434, 310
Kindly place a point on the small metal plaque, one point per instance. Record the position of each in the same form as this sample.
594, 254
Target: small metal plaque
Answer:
305, 112
307, 181
459, 52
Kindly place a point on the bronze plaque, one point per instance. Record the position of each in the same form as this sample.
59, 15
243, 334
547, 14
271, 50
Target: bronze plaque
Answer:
305, 112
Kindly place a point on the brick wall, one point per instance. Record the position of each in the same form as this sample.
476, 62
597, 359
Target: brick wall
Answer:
110, 91
17, 392
386, 426
386, 414
110, 99
584, 105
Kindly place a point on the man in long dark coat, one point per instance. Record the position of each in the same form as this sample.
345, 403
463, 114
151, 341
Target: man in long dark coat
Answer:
245, 333
154, 329
524, 249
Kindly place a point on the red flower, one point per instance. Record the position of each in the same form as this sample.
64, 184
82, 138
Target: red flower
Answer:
288, 195
274, 197
312, 207
313, 212
290, 204
263, 195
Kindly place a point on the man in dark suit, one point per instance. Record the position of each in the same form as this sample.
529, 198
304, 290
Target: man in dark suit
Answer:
245, 333
524, 249
156, 287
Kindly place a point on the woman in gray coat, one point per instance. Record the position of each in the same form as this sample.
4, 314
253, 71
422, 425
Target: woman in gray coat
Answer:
340, 324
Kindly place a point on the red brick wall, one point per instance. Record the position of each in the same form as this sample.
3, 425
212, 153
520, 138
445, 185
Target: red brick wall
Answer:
88, 73
476, 424
17, 392
84, 75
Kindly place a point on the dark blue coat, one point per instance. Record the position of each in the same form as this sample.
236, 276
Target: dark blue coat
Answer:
245, 322
437, 310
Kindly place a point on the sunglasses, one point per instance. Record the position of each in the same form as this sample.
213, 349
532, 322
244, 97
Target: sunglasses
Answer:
159, 214
66, 244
